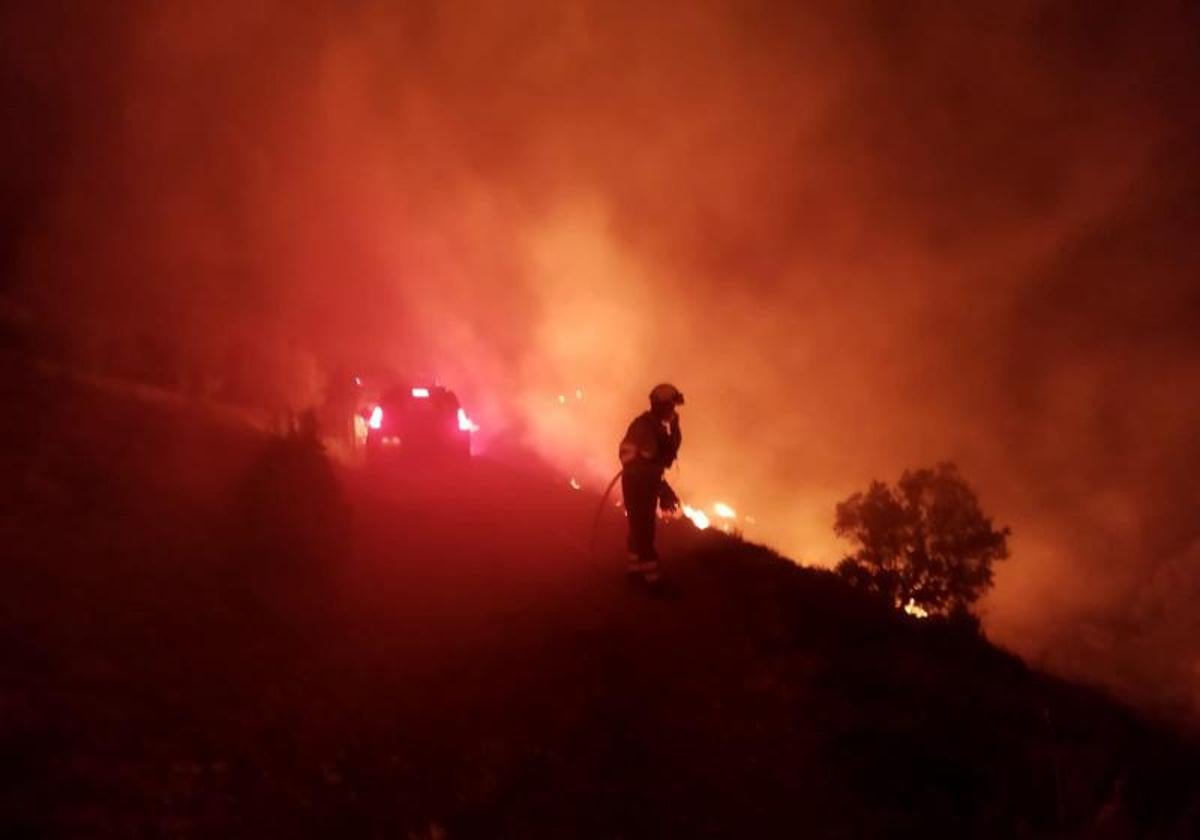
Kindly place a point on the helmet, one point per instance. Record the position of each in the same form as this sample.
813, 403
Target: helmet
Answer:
666, 394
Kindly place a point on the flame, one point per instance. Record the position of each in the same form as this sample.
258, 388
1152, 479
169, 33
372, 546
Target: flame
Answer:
376, 421
724, 511
915, 610
465, 423
699, 518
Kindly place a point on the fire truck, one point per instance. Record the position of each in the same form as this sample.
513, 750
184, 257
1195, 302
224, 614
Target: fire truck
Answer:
418, 424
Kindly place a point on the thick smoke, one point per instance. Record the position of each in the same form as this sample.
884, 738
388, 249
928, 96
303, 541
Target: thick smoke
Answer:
859, 236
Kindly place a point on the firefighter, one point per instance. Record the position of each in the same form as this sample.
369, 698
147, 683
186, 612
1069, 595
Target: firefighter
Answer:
650, 446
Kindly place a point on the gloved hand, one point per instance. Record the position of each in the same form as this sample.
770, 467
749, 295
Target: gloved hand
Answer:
667, 500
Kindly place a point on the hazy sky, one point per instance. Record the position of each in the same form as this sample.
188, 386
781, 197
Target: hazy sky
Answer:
860, 237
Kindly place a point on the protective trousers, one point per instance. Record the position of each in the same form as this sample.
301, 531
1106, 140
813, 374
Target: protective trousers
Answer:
640, 489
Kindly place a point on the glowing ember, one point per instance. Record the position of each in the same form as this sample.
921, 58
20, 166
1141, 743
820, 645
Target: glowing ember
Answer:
562, 399
376, 421
421, 393
724, 511
465, 423
916, 611
698, 517
575, 485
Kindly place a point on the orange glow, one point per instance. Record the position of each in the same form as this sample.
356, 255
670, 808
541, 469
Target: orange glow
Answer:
835, 312
724, 511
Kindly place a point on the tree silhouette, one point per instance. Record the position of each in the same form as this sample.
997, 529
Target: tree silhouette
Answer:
924, 545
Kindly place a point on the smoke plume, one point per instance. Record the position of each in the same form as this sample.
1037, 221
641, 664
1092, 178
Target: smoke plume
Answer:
859, 236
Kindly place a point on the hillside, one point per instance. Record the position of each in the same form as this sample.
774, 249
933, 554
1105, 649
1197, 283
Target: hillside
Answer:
206, 632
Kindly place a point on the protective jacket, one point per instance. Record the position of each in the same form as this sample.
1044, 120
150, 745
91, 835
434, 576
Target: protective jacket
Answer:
650, 445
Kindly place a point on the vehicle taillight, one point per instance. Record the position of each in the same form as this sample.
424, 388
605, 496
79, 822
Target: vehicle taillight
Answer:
376, 421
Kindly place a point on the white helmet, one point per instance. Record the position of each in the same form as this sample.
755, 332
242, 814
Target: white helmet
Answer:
666, 393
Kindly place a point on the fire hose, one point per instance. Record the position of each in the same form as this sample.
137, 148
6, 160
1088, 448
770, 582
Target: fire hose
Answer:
600, 510
672, 502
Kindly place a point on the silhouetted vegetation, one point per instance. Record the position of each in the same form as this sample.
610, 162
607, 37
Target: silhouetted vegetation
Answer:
925, 544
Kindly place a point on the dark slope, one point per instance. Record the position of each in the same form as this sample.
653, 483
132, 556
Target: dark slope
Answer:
206, 633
